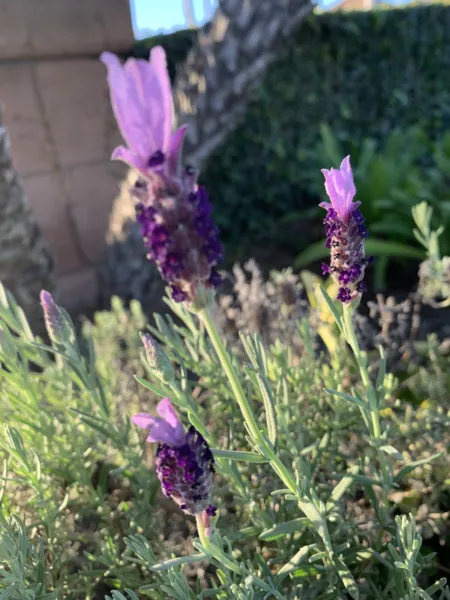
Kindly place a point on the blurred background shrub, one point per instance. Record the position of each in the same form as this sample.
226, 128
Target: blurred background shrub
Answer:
371, 84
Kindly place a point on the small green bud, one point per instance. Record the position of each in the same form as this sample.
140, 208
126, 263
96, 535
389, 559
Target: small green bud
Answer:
157, 359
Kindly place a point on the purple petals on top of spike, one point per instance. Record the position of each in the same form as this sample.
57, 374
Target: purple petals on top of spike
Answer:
345, 233
184, 461
141, 99
173, 211
340, 189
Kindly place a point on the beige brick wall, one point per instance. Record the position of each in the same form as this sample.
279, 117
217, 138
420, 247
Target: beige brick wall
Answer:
57, 111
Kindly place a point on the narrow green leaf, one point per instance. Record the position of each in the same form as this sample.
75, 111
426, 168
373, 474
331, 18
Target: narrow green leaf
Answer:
8, 592
381, 372
418, 463
345, 482
176, 562
346, 578
285, 529
331, 306
388, 449
195, 421
294, 562
269, 407
349, 398
238, 455
159, 390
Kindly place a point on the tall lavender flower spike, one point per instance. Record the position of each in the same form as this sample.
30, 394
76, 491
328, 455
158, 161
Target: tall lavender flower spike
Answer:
173, 211
345, 231
184, 462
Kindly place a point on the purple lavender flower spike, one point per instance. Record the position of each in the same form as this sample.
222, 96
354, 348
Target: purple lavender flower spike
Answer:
55, 323
173, 211
184, 462
345, 233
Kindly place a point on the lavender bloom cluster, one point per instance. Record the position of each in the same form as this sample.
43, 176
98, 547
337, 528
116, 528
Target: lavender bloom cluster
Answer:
174, 212
184, 461
179, 233
345, 233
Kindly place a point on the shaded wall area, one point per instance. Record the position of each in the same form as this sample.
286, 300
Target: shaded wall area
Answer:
57, 112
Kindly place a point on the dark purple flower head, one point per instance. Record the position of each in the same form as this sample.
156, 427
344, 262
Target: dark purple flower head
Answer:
184, 462
345, 233
173, 211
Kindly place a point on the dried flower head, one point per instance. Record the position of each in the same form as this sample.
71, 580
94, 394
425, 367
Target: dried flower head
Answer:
173, 211
345, 231
184, 462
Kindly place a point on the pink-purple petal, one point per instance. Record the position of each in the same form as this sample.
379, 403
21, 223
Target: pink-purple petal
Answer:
168, 413
166, 429
175, 148
129, 157
162, 432
127, 107
143, 420
341, 189
159, 66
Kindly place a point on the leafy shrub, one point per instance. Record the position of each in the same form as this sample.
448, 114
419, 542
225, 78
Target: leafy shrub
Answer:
93, 524
366, 74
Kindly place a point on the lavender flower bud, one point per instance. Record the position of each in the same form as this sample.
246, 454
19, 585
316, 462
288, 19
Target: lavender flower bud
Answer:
345, 233
184, 462
57, 328
157, 359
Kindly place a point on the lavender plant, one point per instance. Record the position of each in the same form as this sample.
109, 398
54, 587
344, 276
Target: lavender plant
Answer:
282, 473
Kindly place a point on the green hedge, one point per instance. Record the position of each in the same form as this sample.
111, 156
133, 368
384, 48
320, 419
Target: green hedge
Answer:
364, 73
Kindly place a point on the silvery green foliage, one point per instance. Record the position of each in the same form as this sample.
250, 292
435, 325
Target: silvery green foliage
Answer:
23, 574
434, 281
434, 273
271, 308
77, 472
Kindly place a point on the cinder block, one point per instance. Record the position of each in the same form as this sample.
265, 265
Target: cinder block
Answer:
31, 147
45, 28
14, 30
78, 109
46, 198
92, 190
79, 292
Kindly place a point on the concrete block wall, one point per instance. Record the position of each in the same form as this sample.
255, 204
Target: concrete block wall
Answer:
57, 110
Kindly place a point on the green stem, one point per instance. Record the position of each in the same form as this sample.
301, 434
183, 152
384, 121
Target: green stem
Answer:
243, 403
265, 447
349, 332
353, 341
227, 365
213, 550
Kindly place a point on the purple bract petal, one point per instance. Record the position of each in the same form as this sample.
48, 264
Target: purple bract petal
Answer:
143, 420
167, 412
167, 429
340, 189
175, 147
142, 102
130, 158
